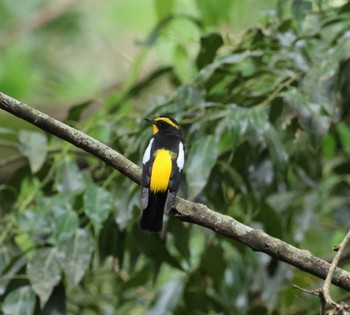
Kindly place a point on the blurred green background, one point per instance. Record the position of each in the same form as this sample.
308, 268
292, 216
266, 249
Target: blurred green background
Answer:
261, 90
57, 53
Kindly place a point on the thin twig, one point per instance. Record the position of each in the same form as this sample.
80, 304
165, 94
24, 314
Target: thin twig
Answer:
326, 285
312, 292
337, 308
278, 90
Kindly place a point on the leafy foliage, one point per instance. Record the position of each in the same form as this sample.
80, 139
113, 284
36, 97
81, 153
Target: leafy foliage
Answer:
266, 122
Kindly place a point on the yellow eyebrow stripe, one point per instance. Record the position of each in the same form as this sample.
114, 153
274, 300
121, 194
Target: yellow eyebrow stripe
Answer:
167, 120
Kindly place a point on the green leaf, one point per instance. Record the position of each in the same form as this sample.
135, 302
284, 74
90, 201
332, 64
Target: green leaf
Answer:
212, 13
111, 241
300, 9
44, 272
188, 96
52, 220
195, 296
97, 203
261, 176
182, 66
35, 224
260, 309
70, 179
210, 43
213, 263
74, 256
125, 203
20, 301
33, 145
156, 32
10, 270
57, 303
5, 257
14, 63
207, 281
312, 115
168, 297
181, 235
154, 247
24, 241
277, 151
163, 8
64, 226
271, 220
328, 146
201, 159
223, 62
30, 189
236, 178
7, 131
343, 131
76, 111
137, 278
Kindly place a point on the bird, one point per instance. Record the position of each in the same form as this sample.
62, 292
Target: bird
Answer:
162, 166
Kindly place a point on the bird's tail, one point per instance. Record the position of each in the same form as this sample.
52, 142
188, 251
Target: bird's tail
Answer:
152, 216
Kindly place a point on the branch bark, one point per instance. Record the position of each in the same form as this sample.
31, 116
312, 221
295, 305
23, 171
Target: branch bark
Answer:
186, 211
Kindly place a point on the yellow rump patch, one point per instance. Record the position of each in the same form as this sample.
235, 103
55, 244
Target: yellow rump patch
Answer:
168, 121
161, 171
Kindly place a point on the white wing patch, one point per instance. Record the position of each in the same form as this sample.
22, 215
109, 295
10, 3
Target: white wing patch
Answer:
147, 153
181, 157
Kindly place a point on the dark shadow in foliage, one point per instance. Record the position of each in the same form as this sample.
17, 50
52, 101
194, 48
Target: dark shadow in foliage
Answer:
56, 305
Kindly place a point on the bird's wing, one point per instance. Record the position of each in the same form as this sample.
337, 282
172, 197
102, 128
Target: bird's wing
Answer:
146, 174
175, 178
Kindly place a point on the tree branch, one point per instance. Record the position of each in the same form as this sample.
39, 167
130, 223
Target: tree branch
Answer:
186, 211
339, 307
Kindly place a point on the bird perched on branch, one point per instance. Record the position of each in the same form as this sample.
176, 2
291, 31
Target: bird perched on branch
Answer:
163, 162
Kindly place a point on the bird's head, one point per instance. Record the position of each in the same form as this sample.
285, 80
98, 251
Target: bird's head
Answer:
164, 124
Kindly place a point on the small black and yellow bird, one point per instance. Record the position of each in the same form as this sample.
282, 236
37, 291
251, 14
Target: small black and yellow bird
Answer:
163, 162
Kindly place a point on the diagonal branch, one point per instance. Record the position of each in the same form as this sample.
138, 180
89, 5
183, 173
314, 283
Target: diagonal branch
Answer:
187, 211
